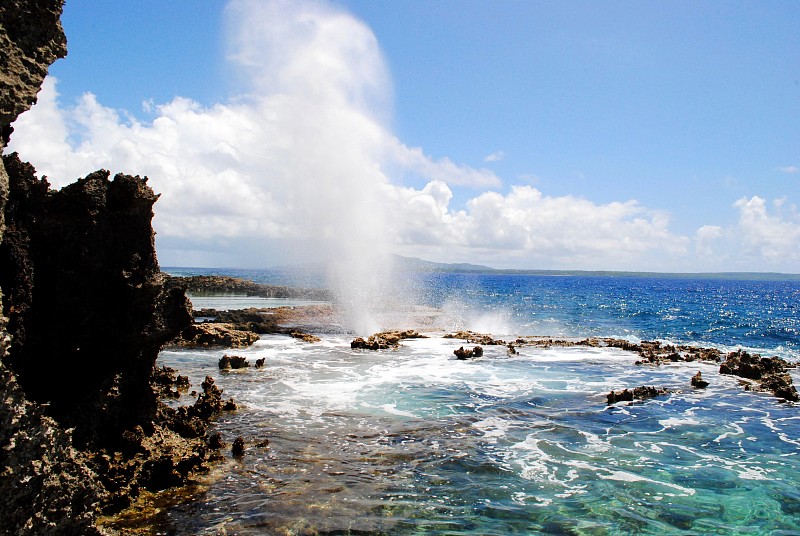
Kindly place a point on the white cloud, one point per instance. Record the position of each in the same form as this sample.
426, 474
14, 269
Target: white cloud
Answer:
775, 238
790, 169
298, 165
444, 170
495, 156
705, 237
563, 231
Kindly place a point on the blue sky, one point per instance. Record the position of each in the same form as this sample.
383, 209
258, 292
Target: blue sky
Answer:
587, 135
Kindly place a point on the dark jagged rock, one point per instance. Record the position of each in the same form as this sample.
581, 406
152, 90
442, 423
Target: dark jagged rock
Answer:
209, 335
463, 354
32, 39
215, 441
306, 337
385, 340
698, 381
781, 386
769, 372
752, 366
233, 362
638, 393
83, 255
86, 252
238, 447
475, 338
47, 486
256, 320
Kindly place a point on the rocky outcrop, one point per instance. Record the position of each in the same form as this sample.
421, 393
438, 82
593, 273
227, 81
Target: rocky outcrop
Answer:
475, 338
698, 382
31, 40
305, 337
87, 314
228, 362
216, 285
637, 393
384, 340
212, 334
86, 253
47, 485
768, 373
250, 319
469, 353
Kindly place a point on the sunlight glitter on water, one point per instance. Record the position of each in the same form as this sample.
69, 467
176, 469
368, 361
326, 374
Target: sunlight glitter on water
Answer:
412, 440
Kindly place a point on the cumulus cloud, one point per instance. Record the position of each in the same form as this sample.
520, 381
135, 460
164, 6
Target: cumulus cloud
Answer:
772, 236
789, 169
705, 237
299, 162
564, 231
495, 156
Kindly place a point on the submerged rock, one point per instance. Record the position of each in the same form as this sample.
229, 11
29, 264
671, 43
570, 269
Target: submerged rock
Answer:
385, 340
238, 447
638, 393
698, 381
306, 337
463, 354
475, 338
228, 362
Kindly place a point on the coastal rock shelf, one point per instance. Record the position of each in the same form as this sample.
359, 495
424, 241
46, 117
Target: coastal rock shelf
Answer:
215, 285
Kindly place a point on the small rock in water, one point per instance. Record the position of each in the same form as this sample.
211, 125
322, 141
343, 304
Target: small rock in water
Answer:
638, 393
306, 337
238, 447
698, 381
215, 441
463, 354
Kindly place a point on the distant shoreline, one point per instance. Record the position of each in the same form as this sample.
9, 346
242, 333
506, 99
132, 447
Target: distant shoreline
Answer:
409, 264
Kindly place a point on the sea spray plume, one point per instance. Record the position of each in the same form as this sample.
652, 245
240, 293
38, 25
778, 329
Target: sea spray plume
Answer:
326, 71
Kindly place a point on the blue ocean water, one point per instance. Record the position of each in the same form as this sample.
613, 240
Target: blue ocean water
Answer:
413, 441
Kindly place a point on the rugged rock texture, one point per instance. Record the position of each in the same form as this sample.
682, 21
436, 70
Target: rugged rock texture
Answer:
86, 253
81, 429
211, 334
385, 340
31, 39
638, 393
251, 319
213, 284
475, 338
768, 373
46, 485
469, 353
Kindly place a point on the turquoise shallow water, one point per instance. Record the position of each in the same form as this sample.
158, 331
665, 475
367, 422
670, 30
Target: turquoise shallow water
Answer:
412, 441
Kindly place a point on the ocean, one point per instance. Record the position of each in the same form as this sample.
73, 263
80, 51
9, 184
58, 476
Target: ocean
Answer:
414, 441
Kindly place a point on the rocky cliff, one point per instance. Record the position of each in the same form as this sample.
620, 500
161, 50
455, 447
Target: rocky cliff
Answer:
85, 300
85, 314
